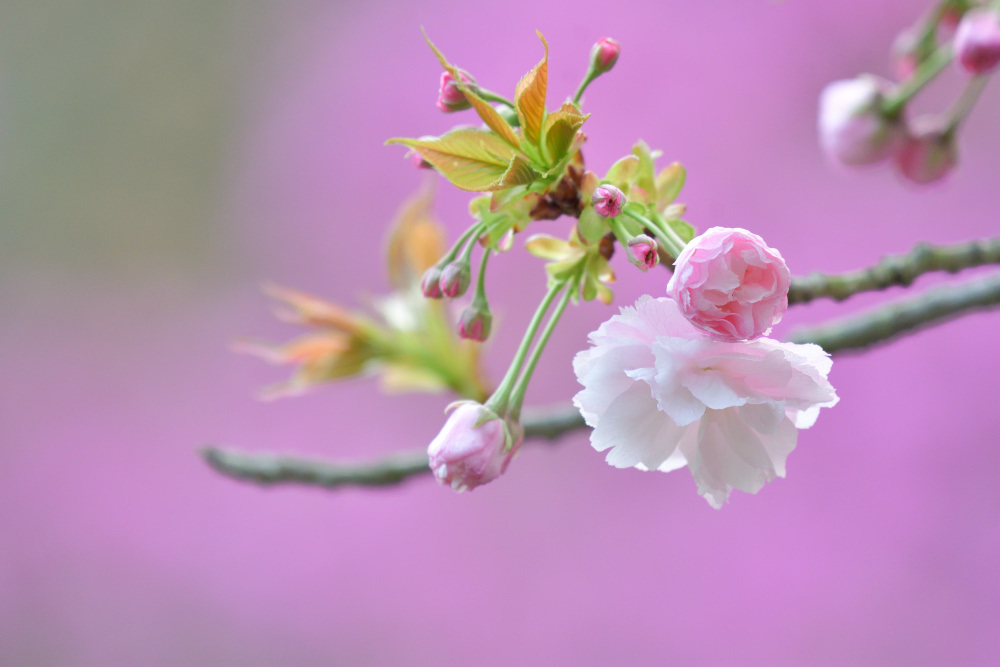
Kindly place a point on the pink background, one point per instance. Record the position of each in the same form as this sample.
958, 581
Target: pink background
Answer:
158, 163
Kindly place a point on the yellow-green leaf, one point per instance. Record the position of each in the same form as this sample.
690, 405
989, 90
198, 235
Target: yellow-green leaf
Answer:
560, 129
490, 116
471, 159
669, 183
548, 247
529, 97
623, 172
644, 177
518, 172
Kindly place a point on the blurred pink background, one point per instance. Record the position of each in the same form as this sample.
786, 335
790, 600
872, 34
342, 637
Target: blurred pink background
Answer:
158, 162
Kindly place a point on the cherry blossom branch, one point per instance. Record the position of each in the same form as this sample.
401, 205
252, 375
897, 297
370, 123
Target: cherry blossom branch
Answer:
269, 469
888, 322
894, 270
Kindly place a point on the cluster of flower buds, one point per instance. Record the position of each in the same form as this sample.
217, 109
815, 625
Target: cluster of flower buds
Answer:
863, 120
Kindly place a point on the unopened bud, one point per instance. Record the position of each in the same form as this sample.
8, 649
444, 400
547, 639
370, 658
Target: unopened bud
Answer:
642, 252
474, 447
852, 127
430, 284
455, 279
420, 163
475, 322
604, 55
450, 97
909, 51
929, 153
608, 201
977, 41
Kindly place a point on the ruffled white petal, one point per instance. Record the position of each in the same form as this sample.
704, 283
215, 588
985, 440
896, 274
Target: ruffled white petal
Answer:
636, 432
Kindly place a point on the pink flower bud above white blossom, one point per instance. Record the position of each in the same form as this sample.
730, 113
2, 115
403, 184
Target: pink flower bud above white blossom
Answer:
604, 55
929, 153
450, 97
852, 129
608, 201
642, 252
729, 283
660, 395
455, 279
474, 447
977, 41
430, 283
475, 323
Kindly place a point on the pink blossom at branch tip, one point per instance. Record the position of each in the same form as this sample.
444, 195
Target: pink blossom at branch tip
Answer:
474, 447
977, 41
642, 252
852, 129
475, 323
730, 284
661, 395
604, 54
430, 284
450, 97
608, 201
455, 279
929, 154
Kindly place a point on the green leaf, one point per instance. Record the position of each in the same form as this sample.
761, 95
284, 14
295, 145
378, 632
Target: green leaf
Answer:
560, 130
529, 97
490, 116
669, 183
519, 172
684, 229
623, 172
591, 226
471, 159
548, 247
645, 177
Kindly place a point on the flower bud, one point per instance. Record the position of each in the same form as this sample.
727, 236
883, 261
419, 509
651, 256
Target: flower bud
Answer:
642, 252
420, 163
608, 201
474, 447
604, 55
475, 322
455, 279
430, 284
909, 51
450, 97
852, 128
977, 41
928, 154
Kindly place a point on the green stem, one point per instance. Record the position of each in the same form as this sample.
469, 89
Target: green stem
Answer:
664, 233
480, 297
893, 106
517, 397
461, 243
500, 399
965, 102
591, 75
490, 96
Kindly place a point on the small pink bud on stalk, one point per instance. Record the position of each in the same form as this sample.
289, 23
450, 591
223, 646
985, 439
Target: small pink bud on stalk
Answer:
642, 252
604, 55
419, 162
977, 41
608, 201
475, 322
929, 153
474, 447
908, 51
455, 279
852, 128
450, 97
430, 284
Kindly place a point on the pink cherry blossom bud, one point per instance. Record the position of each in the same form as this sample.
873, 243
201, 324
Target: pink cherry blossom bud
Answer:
977, 41
450, 97
604, 55
430, 284
475, 322
852, 128
474, 447
608, 201
642, 252
929, 153
420, 163
908, 51
455, 279
729, 283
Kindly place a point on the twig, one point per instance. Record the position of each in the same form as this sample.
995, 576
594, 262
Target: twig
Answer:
856, 333
888, 322
896, 270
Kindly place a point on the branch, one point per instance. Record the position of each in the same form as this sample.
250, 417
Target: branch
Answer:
896, 270
268, 469
856, 333
886, 323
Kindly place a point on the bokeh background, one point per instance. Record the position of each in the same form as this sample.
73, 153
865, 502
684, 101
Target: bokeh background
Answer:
160, 160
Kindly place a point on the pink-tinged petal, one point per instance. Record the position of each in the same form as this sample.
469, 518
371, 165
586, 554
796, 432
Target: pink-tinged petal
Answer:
636, 432
603, 374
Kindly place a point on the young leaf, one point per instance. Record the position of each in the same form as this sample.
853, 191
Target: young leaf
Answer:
560, 130
669, 183
623, 172
471, 159
645, 178
529, 97
519, 172
490, 116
